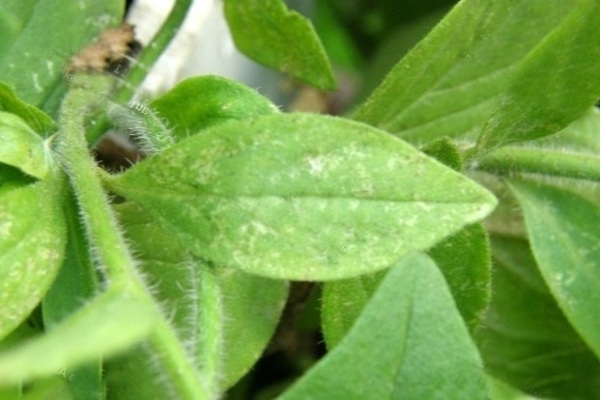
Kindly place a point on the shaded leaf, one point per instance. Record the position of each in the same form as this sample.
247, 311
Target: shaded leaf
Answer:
266, 31
21, 147
555, 84
450, 83
209, 101
563, 228
109, 324
420, 338
525, 339
302, 197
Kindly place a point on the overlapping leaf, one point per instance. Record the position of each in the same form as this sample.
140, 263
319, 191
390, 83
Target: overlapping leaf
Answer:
450, 83
208, 306
110, 323
565, 239
302, 196
419, 339
526, 340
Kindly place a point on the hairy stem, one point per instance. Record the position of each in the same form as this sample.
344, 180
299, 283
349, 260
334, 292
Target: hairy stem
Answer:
541, 161
104, 235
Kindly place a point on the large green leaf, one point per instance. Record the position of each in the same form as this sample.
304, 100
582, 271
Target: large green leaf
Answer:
302, 197
209, 100
32, 242
208, 306
555, 84
526, 340
450, 83
266, 31
21, 147
565, 239
39, 121
34, 64
408, 343
110, 323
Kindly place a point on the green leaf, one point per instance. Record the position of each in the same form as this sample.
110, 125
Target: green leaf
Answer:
419, 339
525, 339
464, 259
267, 32
39, 121
214, 315
343, 301
34, 64
451, 82
9, 28
209, 101
565, 239
21, 147
501, 391
110, 323
302, 196
555, 84
32, 241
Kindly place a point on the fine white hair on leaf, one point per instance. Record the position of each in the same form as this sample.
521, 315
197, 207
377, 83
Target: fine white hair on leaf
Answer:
143, 124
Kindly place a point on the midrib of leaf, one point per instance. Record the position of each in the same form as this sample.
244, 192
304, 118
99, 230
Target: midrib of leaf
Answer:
410, 303
411, 99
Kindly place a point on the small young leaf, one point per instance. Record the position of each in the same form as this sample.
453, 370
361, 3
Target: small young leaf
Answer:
302, 197
419, 339
209, 100
32, 242
266, 31
21, 147
525, 339
565, 239
450, 83
555, 84
109, 324
39, 121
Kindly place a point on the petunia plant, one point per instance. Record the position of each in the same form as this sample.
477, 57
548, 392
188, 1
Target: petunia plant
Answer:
448, 224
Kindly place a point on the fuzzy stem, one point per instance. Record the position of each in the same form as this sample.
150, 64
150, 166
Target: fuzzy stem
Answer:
148, 57
210, 325
104, 235
541, 161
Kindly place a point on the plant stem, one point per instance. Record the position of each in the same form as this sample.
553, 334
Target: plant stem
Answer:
541, 161
140, 69
104, 235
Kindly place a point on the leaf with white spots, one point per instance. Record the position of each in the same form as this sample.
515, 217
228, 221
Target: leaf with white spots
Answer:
302, 196
32, 242
21, 147
565, 237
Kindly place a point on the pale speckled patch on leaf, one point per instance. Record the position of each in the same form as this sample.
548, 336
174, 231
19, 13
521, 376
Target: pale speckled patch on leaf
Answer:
32, 241
302, 196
